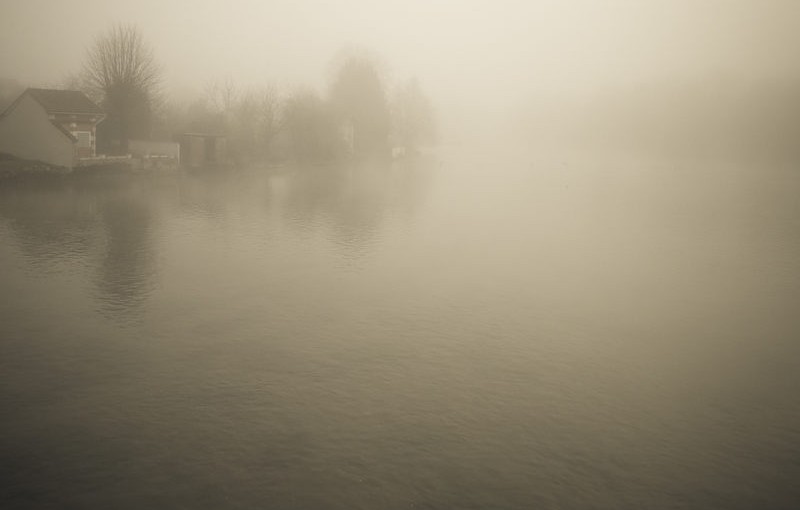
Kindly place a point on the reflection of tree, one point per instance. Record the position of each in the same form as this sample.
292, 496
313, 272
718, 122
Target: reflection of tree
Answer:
221, 197
63, 228
354, 201
126, 272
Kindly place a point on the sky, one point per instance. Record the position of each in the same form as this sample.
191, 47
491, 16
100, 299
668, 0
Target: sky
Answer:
490, 53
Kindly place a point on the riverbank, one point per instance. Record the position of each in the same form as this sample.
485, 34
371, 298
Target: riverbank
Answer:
16, 170
13, 169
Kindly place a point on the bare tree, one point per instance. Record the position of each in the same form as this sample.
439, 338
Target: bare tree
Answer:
311, 127
250, 117
269, 115
413, 116
223, 96
121, 73
358, 97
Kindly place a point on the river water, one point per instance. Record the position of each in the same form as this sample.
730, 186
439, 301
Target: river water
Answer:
463, 331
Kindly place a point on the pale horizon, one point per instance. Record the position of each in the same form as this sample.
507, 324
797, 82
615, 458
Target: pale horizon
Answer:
490, 55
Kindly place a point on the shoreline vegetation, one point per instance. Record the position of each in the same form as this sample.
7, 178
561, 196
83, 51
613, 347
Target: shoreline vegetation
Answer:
14, 170
361, 113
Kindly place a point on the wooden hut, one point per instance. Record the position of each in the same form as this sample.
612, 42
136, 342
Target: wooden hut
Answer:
199, 150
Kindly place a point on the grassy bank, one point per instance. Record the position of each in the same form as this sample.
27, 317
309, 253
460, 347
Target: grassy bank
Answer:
13, 169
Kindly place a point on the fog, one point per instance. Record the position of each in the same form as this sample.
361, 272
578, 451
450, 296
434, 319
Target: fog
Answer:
400, 254
497, 65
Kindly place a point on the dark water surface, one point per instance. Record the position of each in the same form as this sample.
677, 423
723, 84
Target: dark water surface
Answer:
478, 332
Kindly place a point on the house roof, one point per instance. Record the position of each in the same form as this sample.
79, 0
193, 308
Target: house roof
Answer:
64, 131
55, 101
64, 101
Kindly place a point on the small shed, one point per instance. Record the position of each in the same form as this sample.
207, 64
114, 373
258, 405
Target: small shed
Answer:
202, 149
152, 148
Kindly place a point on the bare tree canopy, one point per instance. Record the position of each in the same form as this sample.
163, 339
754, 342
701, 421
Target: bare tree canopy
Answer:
311, 127
121, 73
413, 116
357, 95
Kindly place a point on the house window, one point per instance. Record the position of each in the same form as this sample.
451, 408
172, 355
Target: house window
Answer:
84, 139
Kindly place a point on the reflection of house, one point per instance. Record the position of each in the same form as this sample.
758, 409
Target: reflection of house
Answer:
54, 126
202, 149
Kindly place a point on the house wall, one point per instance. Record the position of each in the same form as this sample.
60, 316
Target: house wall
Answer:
220, 149
199, 150
139, 148
74, 123
192, 151
26, 132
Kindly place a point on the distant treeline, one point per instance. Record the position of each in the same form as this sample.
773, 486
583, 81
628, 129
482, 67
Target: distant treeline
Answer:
358, 115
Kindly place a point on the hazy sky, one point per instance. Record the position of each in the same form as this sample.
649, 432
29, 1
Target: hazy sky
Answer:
487, 52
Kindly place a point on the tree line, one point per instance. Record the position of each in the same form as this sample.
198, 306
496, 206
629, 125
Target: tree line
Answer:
356, 116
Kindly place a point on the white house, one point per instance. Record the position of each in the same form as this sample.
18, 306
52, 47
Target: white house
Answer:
54, 126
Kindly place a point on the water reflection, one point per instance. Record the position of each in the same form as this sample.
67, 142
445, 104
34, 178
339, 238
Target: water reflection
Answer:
52, 224
223, 197
117, 228
127, 271
507, 333
352, 202
79, 228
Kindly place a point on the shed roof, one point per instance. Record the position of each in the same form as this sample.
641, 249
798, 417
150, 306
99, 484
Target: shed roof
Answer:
203, 135
64, 101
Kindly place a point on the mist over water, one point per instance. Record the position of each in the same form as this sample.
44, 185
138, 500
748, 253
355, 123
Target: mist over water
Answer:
417, 254
482, 329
